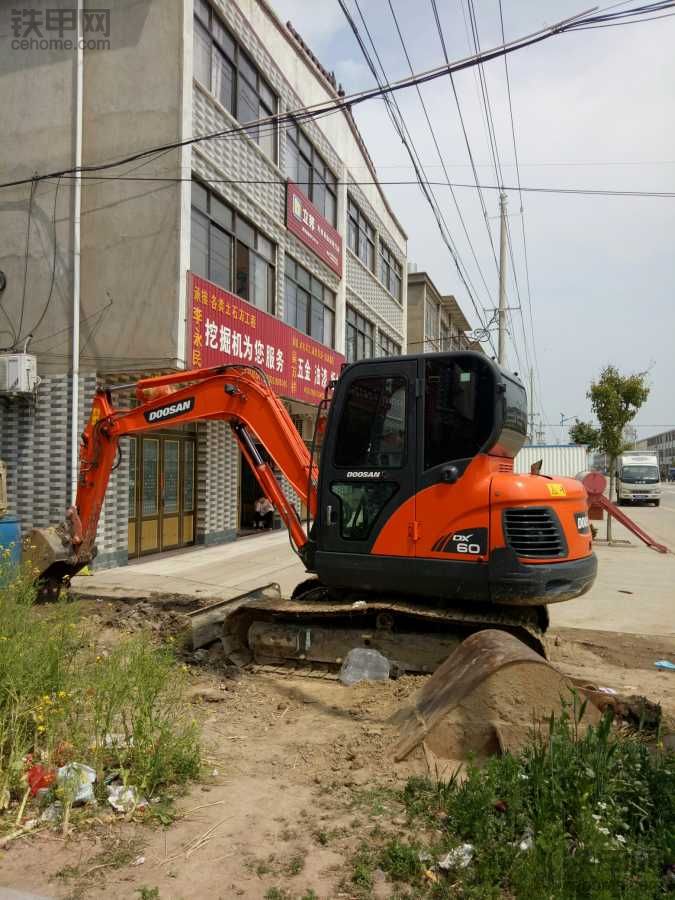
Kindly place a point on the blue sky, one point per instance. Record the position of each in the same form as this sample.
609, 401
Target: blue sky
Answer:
592, 109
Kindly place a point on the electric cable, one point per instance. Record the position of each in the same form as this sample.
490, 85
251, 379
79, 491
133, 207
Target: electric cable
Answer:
279, 180
341, 103
33, 187
522, 223
438, 151
408, 143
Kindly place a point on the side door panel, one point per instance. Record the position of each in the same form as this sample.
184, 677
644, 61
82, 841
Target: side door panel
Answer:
456, 420
369, 460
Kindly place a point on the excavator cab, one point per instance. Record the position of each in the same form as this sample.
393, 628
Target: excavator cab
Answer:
417, 493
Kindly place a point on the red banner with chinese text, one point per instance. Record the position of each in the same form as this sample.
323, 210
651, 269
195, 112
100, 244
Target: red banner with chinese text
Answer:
223, 328
307, 224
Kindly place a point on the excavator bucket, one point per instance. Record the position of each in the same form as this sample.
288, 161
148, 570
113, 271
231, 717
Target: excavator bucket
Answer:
484, 698
49, 555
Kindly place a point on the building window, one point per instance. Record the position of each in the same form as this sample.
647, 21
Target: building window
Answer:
307, 169
309, 305
431, 323
387, 346
390, 271
223, 67
360, 235
358, 337
229, 251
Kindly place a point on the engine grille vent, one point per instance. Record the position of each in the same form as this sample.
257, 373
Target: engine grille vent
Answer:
534, 532
506, 466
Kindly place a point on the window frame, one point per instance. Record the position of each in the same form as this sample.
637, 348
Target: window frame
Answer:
386, 344
390, 269
360, 234
268, 254
339, 464
362, 327
235, 56
311, 290
312, 159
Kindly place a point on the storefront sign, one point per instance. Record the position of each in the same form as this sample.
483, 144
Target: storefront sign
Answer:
222, 328
307, 223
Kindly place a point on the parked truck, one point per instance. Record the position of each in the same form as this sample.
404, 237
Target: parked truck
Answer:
638, 479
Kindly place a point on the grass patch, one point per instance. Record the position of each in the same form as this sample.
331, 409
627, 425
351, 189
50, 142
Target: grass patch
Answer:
61, 701
587, 815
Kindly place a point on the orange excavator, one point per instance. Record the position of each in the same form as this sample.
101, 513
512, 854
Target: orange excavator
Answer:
417, 530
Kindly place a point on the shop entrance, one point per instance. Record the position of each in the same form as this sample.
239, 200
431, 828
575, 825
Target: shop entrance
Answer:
249, 491
161, 493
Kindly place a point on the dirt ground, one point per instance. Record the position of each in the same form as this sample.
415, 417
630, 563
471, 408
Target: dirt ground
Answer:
297, 774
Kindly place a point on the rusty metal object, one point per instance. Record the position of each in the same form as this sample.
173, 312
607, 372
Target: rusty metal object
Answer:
595, 484
478, 657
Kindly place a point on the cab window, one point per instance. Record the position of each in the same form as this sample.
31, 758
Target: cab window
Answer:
372, 429
458, 409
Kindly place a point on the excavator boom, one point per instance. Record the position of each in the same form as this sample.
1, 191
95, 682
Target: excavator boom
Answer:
238, 395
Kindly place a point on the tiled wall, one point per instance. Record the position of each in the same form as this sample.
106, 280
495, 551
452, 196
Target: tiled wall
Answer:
35, 445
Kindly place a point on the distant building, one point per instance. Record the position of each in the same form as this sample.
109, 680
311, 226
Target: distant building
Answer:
435, 321
663, 445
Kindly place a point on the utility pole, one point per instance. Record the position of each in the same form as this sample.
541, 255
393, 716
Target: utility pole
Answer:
531, 405
501, 346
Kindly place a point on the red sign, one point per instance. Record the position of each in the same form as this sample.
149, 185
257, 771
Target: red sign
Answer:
307, 223
223, 328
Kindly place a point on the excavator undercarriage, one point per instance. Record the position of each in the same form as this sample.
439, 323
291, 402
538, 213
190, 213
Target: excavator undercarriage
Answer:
318, 627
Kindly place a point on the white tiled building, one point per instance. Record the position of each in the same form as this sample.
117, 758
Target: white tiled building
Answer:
217, 209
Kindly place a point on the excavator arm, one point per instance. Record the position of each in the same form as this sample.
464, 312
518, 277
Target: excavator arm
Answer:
238, 395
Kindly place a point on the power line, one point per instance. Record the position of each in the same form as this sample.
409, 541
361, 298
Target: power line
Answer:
522, 222
597, 192
494, 150
438, 151
439, 28
342, 103
402, 130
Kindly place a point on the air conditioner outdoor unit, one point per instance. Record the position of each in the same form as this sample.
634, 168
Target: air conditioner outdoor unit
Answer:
18, 373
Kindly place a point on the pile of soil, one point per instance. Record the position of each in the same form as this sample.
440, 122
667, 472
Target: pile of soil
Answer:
498, 715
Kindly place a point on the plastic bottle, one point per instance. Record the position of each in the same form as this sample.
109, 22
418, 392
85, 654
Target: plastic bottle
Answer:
363, 664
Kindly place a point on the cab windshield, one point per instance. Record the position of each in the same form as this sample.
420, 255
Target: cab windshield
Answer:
635, 474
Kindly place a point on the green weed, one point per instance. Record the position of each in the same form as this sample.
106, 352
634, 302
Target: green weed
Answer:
60, 700
587, 815
148, 893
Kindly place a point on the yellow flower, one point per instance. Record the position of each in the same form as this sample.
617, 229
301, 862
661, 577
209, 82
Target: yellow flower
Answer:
41, 728
62, 694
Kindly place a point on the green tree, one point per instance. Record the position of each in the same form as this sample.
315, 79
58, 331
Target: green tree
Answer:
615, 399
585, 433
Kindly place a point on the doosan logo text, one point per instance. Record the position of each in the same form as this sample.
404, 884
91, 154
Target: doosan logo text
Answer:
170, 411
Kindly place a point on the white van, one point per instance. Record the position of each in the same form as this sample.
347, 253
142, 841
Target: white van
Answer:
638, 479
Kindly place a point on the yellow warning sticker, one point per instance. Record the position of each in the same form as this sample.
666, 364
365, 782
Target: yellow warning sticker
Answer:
556, 490
95, 415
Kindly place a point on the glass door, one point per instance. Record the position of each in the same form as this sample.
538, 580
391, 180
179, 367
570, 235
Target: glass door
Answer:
150, 497
162, 493
170, 495
188, 491
133, 499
